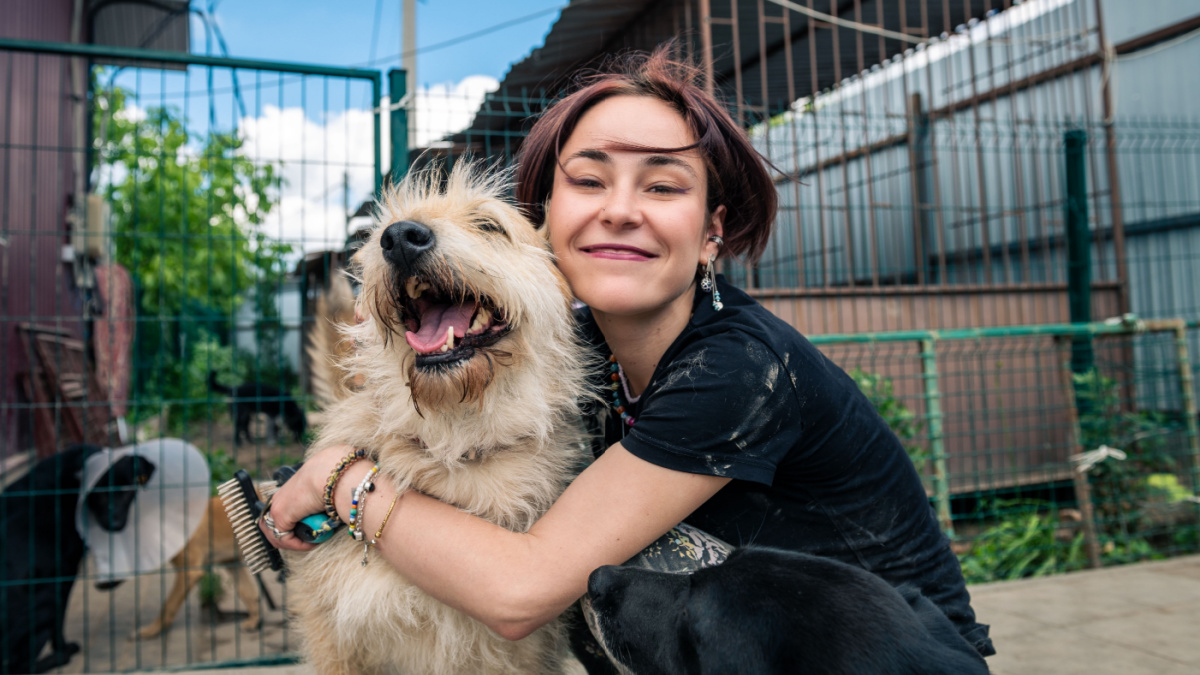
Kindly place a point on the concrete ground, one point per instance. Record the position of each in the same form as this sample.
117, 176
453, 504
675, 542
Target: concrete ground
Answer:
1132, 620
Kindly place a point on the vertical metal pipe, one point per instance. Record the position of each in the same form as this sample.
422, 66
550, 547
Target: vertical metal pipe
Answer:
1079, 263
1187, 392
1083, 489
797, 219
814, 78
706, 43
918, 133
397, 89
985, 236
937, 446
847, 209
737, 64
868, 175
1114, 180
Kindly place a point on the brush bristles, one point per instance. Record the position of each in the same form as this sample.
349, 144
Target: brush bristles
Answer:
245, 525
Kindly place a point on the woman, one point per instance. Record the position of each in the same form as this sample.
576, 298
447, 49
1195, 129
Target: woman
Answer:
728, 417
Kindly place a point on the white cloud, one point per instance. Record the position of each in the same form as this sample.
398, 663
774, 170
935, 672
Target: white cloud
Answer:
443, 109
319, 158
324, 164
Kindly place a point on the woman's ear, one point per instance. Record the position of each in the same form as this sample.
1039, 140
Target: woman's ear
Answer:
716, 226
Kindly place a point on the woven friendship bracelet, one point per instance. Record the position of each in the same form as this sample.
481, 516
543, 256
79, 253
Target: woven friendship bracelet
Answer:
334, 476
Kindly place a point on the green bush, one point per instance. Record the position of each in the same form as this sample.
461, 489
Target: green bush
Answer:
1021, 544
1120, 487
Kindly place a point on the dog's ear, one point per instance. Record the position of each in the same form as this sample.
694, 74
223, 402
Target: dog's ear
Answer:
144, 470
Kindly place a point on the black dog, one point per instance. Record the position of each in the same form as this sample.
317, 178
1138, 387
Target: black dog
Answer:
769, 611
42, 550
256, 397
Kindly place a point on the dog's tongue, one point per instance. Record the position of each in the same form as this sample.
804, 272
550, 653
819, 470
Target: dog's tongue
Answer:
435, 322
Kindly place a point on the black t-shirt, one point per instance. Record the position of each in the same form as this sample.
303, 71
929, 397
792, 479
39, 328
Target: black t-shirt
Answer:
815, 468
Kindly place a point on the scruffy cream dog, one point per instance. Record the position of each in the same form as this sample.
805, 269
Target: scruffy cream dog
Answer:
466, 378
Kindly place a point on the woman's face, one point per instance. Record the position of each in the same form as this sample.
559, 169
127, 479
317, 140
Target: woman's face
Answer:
629, 228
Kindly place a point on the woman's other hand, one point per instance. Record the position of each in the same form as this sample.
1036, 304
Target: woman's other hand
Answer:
302, 496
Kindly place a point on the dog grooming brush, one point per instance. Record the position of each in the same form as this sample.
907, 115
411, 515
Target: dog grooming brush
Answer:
244, 506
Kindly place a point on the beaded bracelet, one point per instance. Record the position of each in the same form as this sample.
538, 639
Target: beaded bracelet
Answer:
358, 504
330, 509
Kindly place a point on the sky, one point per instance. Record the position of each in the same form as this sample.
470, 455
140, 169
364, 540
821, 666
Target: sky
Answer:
320, 131
340, 32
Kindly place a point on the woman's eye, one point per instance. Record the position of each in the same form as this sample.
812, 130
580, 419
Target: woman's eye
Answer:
667, 190
583, 182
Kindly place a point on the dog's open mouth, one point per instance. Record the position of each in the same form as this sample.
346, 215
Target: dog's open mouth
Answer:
448, 326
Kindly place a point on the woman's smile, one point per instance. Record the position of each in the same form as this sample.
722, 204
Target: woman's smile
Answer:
617, 252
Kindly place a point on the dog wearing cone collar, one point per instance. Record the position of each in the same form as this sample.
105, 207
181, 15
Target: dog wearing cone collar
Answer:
464, 381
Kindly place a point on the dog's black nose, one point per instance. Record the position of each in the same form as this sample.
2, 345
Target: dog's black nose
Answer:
405, 242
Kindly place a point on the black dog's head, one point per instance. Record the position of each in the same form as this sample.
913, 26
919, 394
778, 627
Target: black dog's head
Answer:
111, 498
769, 611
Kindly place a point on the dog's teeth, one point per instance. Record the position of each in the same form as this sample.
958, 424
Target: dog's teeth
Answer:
449, 339
482, 317
412, 287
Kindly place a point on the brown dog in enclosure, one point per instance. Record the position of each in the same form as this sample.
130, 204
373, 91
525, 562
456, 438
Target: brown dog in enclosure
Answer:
211, 544
466, 379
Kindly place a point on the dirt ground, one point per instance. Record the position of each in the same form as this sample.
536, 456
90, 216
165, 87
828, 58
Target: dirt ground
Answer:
101, 622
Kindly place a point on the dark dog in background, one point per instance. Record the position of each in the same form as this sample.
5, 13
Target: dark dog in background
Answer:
256, 397
42, 549
768, 611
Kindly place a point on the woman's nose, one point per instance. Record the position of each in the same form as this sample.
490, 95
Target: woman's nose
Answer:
621, 208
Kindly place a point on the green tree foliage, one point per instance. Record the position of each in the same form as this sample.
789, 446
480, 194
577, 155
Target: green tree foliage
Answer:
186, 222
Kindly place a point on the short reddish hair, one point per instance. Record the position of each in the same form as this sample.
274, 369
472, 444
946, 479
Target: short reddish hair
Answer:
737, 174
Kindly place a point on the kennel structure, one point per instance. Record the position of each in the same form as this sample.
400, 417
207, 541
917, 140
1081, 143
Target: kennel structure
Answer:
989, 216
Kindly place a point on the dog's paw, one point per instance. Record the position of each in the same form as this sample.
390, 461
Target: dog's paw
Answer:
251, 625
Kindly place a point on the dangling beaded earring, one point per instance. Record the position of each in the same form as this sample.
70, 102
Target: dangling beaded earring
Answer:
708, 283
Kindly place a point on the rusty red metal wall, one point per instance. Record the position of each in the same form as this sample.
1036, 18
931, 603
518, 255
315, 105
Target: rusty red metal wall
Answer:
37, 147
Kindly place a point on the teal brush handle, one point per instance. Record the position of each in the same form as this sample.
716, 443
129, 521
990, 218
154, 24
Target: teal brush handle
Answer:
316, 528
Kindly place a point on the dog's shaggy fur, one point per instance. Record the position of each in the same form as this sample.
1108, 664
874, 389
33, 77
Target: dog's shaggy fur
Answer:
490, 425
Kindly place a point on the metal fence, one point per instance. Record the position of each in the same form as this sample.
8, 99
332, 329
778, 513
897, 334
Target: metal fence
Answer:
167, 221
164, 221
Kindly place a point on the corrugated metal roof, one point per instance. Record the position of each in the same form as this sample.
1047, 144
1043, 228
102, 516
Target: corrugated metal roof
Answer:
587, 30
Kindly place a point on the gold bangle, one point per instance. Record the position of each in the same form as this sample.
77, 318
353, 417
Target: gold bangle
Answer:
379, 532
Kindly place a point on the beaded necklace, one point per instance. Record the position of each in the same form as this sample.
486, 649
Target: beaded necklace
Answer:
617, 375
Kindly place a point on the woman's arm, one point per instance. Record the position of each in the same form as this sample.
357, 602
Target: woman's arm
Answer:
513, 582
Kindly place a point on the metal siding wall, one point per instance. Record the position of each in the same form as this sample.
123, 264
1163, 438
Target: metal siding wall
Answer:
35, 186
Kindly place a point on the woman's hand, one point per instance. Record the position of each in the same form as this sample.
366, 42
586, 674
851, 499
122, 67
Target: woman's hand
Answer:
302, 496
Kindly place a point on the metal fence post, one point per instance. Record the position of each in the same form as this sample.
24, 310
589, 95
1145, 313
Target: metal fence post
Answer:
397, 89
1083, 489
1079, 252
937, 447
1188, 393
